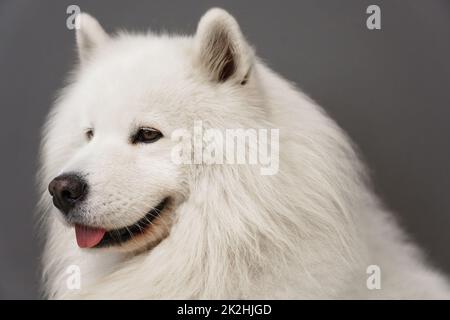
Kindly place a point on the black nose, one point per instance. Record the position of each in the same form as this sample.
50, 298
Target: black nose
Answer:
67, 190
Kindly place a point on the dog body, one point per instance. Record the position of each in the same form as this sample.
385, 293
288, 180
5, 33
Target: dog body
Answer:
312, 230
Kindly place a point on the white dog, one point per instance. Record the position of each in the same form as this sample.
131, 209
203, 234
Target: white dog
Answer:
136, 224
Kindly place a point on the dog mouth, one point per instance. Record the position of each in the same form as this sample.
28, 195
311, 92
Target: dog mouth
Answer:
93, 237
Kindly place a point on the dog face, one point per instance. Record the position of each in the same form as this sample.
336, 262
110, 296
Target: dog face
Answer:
118, 184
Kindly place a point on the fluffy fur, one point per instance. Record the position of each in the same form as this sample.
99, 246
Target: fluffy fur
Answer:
309, 231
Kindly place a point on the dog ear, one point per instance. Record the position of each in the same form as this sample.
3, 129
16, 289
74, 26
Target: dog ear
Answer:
221, 49
89, 35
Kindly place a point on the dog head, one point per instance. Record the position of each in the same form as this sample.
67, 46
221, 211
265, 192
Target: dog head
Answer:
108, 147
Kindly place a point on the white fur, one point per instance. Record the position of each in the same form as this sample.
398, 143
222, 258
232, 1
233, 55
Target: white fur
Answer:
309, 231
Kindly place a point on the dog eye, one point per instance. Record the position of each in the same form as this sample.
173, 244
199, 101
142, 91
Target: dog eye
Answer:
146, 135
89, 134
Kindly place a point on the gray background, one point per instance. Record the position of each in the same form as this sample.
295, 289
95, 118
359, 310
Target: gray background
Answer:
388, 89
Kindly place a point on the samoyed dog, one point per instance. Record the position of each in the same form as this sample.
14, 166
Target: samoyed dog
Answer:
122, 219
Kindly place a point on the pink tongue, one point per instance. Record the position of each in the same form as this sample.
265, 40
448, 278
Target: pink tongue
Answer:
88, 237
